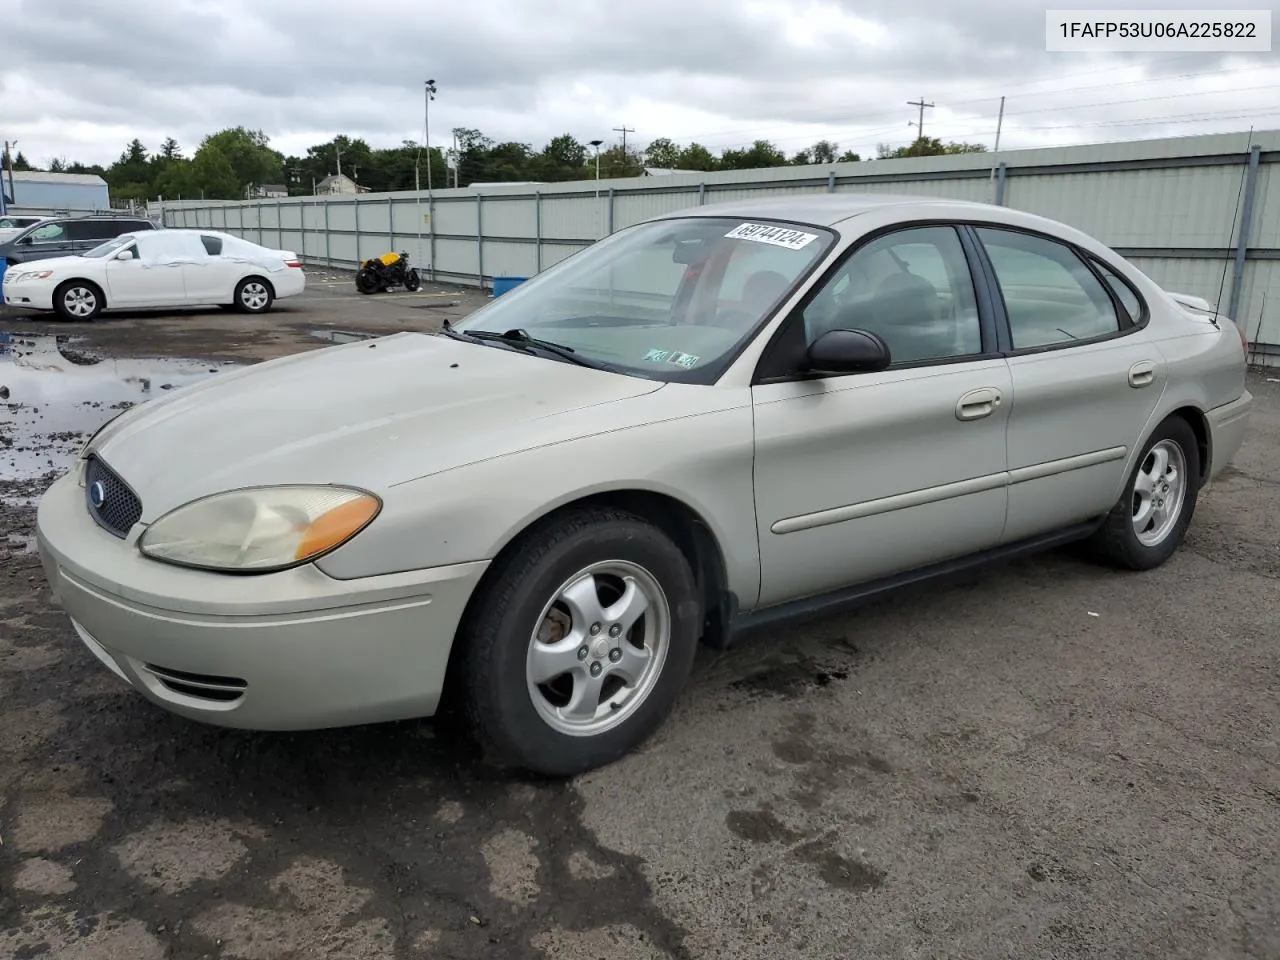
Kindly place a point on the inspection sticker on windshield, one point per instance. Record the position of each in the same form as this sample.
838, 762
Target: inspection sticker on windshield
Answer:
768, 233
685, 360
657, 356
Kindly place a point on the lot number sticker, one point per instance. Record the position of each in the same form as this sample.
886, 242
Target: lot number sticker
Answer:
767, 233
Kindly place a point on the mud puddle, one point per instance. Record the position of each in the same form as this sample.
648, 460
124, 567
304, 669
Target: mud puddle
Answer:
53, 396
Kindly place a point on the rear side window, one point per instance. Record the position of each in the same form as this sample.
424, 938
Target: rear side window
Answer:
212, 244
1124, 293
133, 226
1050, 295
95, 230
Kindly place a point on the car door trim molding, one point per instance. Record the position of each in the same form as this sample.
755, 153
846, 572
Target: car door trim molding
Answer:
1038, 471
946, 491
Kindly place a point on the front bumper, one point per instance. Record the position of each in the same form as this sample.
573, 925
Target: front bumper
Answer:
31, 294
293, 650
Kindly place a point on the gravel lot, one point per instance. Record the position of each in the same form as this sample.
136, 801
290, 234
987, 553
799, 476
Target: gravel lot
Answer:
1053, 760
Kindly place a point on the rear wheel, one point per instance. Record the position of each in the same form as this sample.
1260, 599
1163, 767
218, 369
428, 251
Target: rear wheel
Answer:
1146, 527
78, 300
367, 281
576, 650
253, 295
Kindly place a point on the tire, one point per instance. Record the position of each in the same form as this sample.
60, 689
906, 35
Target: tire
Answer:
367, 281
1118, 542
253, 295
412, 281
78, 301
518, 721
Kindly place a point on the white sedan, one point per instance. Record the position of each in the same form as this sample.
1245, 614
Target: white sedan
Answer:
162, 268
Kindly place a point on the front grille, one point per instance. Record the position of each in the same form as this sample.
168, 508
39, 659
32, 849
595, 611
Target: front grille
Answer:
202, 686
111, 503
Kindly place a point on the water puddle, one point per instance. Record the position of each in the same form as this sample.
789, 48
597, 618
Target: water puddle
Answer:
53, 396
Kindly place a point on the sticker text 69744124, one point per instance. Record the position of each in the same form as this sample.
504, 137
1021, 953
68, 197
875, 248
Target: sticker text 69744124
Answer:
771, 233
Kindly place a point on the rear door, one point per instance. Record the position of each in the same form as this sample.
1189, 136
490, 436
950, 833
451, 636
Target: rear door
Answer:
1085, 375
209, 278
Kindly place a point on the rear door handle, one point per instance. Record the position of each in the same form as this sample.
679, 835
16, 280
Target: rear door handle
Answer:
977, 404
1142, 373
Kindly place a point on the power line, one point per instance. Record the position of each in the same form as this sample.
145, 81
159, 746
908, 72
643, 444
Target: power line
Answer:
624, 130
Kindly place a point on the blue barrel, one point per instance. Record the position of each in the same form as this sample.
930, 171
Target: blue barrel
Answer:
502, 285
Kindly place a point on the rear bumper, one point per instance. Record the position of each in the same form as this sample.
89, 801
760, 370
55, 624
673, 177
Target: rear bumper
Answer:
1227, 427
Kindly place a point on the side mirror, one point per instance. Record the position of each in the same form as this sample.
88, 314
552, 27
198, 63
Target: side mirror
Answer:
848, 351
125, 254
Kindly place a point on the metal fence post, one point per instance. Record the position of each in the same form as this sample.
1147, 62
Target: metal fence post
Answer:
480, 239
1242, 238
280, 227
355, 206
611, 209
702, 194
391, 223
537, 231
1002, 172
328, 257
831, 181
431, 229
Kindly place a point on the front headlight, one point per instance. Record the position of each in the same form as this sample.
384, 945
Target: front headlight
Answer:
260, 529
33, 275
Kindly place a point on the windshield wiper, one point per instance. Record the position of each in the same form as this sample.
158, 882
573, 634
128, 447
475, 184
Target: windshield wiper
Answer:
521, 339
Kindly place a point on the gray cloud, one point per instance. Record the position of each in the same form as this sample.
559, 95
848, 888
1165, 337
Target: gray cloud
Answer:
722, 71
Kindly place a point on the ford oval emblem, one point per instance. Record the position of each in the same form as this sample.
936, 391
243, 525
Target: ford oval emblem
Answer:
97, 494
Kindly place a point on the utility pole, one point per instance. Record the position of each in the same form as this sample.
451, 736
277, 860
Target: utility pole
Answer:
919, 123
8, 163
338, 149
430, 93
999, 125
624, 130
3, 206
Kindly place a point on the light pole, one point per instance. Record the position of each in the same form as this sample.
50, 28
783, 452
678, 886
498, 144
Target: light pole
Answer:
429, 93
596, 144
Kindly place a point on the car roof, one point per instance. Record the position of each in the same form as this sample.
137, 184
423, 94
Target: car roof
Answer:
831, 209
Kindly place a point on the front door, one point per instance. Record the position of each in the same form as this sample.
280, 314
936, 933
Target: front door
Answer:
862, 476
1085, 380
148, 278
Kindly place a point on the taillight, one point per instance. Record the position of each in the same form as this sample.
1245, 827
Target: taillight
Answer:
293, 263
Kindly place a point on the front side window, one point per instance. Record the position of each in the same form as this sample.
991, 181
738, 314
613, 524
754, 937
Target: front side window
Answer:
1050, 296
109, 248
913, 288
48, 233
668, 300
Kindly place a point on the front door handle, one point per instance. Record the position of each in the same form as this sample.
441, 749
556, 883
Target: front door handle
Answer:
977, 404
1142, 373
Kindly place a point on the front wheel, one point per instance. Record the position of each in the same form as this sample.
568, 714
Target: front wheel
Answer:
78, 300
578, 646
1146, 527
412, 281
253, 295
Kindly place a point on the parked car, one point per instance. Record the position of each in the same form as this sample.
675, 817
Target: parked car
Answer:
66, 236
710, 422
165, 268
11, 226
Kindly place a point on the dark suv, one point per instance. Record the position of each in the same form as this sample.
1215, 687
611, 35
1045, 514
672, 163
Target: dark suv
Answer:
69, 236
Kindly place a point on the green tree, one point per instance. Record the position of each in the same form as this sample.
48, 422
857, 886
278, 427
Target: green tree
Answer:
617, 162
249, 154
19, 162
563, 158
213, 175
927, 147
760, 154
696, 157
169, 150
663, 153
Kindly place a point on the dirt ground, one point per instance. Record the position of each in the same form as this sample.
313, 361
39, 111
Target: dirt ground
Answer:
1050, 761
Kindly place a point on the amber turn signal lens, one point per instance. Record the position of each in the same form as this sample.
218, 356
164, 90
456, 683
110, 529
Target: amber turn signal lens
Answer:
333, 527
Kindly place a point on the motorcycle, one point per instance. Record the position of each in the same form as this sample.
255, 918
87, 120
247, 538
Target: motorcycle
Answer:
378, 274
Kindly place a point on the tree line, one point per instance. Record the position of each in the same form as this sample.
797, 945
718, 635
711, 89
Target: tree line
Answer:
235, 162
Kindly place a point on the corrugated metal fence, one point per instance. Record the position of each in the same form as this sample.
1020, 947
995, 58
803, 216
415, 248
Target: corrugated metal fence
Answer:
1199, 214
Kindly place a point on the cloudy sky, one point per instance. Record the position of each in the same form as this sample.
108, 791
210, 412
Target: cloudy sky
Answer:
79, 78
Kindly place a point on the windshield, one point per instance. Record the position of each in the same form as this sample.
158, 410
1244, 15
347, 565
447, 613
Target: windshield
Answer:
668, 300
110, 247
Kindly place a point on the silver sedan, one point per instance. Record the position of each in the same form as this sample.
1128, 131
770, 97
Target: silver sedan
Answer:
712, 421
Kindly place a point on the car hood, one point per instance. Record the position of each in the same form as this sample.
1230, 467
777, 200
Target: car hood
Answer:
372, 413
49, 263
